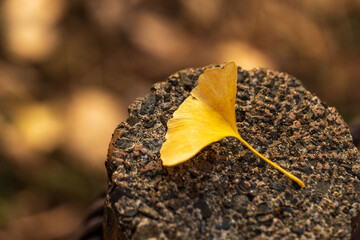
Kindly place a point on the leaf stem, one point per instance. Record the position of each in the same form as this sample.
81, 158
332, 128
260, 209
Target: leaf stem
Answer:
291, 176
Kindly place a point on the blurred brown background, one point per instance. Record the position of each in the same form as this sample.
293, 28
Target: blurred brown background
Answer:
69, 69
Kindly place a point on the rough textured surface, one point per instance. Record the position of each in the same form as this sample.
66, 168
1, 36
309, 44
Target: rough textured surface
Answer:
225, 191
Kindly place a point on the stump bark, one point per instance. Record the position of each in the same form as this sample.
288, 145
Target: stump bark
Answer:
225, 191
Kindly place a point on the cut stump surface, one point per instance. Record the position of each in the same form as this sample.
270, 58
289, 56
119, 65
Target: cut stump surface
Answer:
225, 191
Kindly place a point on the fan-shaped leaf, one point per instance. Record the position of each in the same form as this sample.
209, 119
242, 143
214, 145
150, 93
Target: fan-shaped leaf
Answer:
206, 116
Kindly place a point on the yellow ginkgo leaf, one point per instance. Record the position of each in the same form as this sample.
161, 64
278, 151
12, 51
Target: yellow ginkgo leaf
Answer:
207, 116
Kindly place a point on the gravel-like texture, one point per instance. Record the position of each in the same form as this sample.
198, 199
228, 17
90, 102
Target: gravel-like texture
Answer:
225, 191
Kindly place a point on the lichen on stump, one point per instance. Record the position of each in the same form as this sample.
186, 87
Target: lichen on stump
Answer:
225, 191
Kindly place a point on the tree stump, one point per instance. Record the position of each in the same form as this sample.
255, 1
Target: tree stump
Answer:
225, 191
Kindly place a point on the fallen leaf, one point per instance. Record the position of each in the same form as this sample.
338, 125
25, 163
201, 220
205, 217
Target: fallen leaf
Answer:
207, 116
